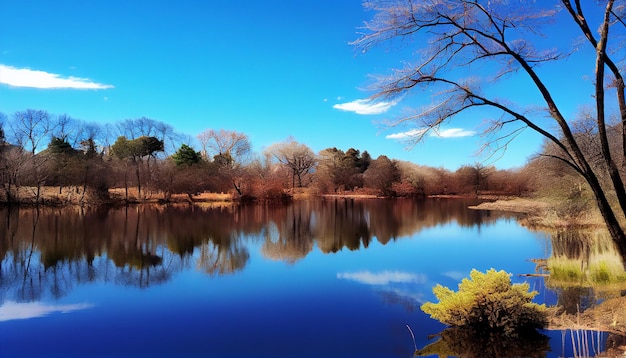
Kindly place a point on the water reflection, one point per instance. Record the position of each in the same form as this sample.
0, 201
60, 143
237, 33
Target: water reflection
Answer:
466, 343
396, 287
144, 245
13, 310
49, 254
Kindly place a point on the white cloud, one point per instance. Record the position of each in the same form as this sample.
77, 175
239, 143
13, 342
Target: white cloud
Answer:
13, 310
453, 133
405, 135
381, 278
23, 77
446, 133
365, 106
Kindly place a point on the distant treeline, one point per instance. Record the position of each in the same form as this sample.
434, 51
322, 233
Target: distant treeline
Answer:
146, 159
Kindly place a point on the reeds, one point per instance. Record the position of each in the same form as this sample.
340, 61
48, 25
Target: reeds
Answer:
585, 257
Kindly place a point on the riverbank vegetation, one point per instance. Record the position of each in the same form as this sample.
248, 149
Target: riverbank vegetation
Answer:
58, 160
142, 160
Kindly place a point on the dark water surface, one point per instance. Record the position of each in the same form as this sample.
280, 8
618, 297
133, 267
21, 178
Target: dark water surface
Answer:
310, 279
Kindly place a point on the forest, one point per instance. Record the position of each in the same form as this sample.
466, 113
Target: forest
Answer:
56, 160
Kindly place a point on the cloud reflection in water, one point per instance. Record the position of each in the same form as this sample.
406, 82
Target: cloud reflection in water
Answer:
382, 278
13, 310
399, 287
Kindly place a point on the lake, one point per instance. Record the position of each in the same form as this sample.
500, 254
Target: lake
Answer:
334, 278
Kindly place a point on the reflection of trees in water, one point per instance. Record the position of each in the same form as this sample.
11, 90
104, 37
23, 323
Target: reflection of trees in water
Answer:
353, 223
48, 252
289, 235
342, 223
573, 244
149, 270
22, 282
222, 258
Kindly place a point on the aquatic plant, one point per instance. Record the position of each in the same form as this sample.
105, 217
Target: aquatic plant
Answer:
488, 302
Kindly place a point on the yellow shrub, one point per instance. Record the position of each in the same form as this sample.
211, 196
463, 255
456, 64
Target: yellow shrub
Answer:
488, 301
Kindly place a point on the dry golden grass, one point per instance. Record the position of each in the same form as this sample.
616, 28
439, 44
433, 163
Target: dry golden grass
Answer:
72, 195
350, 196
546, 213
517, 205
206, 196
75, 195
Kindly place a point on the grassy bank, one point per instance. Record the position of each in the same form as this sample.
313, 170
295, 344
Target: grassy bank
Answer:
546, 213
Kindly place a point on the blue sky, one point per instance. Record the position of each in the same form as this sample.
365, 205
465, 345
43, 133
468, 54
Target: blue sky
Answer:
270, 69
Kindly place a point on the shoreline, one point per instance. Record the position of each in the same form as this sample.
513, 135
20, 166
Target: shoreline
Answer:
535, 213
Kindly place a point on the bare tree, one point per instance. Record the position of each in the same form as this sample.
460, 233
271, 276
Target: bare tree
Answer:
147, 127
229, 151
75, 131
13, 161
224, 142
30, 128
67, 129
297, 157
458, 37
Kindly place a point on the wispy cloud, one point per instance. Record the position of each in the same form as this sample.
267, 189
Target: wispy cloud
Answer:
382, 278
365, 106
453, 133
406, 135
24, 77
446, 133
14, 310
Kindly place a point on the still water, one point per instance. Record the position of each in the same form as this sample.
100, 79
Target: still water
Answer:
310, 279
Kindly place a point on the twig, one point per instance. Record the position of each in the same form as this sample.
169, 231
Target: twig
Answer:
412, 335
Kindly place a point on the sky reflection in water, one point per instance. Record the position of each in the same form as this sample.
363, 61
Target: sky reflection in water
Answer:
313, 279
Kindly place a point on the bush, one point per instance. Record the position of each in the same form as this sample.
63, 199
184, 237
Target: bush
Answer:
488, 302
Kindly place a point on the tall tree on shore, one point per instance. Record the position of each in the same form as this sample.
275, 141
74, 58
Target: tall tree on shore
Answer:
229, 151
30, 128
133, 151
503, 38
381, 174
297, 157
224, 143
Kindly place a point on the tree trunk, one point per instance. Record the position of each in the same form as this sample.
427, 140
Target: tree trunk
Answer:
138, 182
615, 230
126, 185
237, 188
